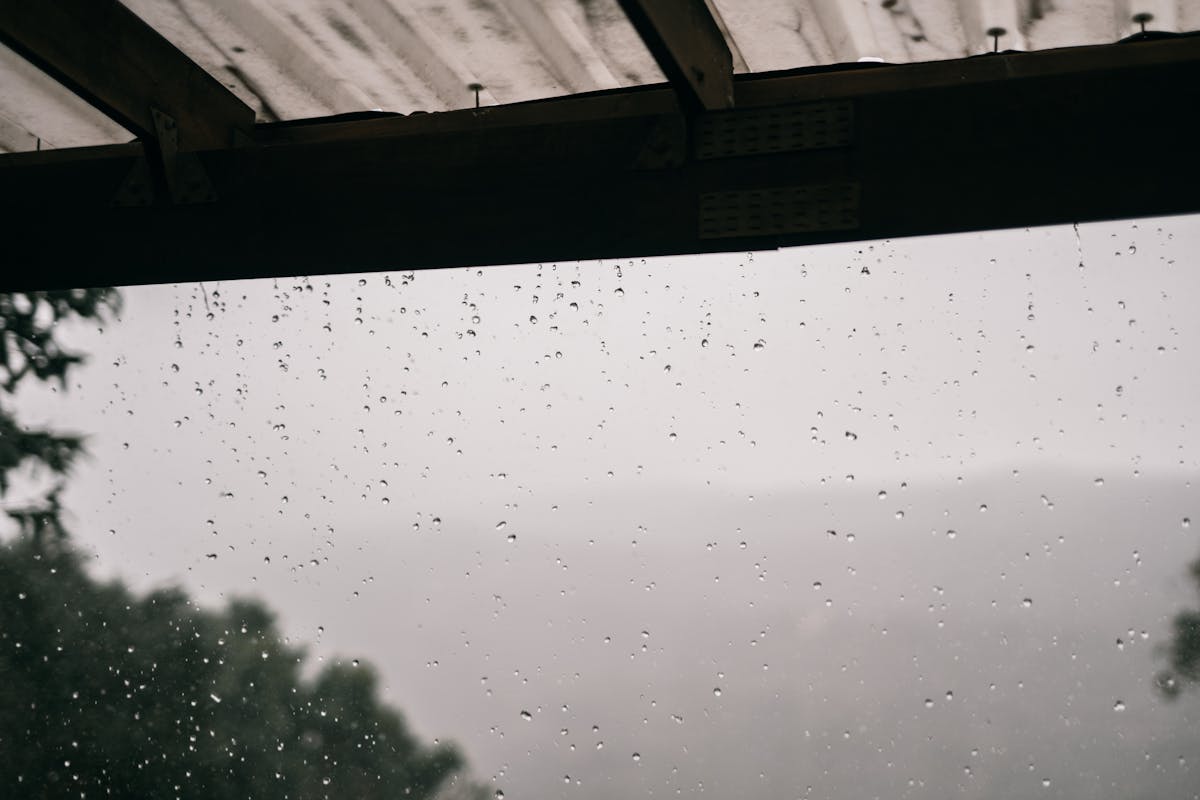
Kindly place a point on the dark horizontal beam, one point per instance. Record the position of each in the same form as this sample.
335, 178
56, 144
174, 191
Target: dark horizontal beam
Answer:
110, 57
812, 157
689, 47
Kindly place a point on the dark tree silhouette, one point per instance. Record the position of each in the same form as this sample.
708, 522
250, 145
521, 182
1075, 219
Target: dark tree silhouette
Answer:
1184, 650
107, 694
104, 694
28, 348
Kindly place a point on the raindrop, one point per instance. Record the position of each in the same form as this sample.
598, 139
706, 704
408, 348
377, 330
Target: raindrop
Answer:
717, 691
501, 525
1119, 705
760, 344
1027, 602
929, 702
637, 756
525, 715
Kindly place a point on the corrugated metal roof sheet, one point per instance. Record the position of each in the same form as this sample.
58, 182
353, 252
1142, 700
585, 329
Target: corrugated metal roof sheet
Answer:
293, 59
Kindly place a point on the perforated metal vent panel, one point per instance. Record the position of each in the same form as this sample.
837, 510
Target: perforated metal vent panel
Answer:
787, 209
809, 126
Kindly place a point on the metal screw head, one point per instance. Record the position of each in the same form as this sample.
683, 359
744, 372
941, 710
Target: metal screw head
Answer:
996, 33
476, 88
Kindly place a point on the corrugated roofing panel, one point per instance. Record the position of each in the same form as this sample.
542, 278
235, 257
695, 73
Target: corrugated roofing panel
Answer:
293, 59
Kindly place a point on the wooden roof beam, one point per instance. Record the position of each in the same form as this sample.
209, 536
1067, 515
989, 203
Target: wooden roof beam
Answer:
110, 57
689, 47
858, 153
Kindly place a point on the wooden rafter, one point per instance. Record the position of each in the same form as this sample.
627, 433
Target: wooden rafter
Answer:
689, 47
114, 60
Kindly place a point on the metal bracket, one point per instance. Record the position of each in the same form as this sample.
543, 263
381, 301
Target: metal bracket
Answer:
185, 177
138, 187
666, 145
813, 208
779, 129
181, 174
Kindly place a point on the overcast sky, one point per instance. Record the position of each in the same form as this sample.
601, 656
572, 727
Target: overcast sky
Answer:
894, 519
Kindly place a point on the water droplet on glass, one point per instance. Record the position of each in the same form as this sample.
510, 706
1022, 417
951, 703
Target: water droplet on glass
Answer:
525, 715
1119, 705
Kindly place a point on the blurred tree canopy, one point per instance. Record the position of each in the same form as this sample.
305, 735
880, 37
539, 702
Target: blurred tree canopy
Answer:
104, 694
107, 694
1184, 650
28, 348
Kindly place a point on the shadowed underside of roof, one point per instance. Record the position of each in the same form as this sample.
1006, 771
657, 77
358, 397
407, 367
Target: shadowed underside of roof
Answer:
291, 59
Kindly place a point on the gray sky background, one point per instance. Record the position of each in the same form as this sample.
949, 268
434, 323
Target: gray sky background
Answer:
915, 508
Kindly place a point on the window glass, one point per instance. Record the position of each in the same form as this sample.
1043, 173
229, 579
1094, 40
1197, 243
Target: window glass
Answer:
901, 518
